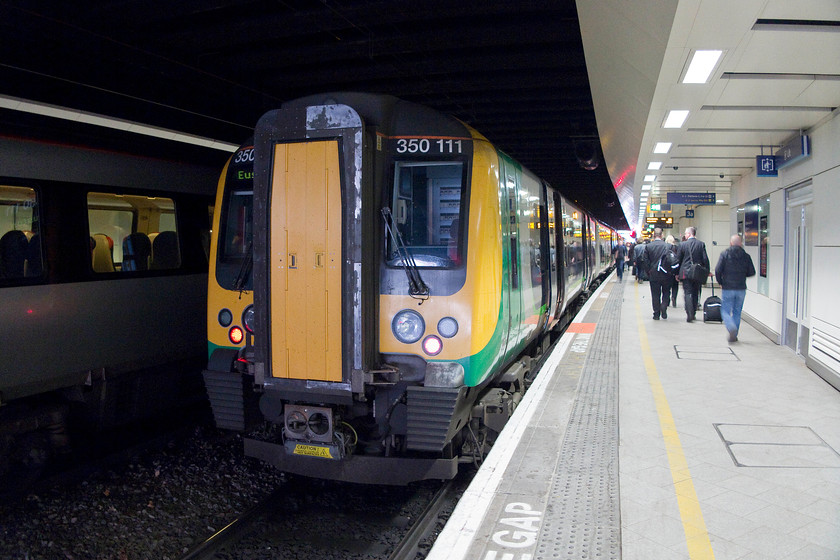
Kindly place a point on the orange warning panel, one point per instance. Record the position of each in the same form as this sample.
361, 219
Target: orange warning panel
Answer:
587, 328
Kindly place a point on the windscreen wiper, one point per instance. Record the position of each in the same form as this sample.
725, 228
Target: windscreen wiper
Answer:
244, 270
416, 287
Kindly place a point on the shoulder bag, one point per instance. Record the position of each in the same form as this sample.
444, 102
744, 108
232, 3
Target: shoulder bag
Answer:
695, 272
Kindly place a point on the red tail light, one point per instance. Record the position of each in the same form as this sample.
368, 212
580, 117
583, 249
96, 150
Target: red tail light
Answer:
236, 335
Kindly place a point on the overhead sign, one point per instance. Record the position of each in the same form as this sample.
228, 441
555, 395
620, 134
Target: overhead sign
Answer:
689, 212
792, 151
765, 166
691, 198
659, 221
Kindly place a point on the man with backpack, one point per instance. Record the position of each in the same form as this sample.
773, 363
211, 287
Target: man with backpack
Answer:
661, 265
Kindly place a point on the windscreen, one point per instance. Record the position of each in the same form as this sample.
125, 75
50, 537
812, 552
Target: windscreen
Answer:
426, 205
236, 227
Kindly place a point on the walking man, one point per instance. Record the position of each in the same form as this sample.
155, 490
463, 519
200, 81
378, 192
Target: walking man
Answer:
619, 254
661, 264
692, 250
732, 270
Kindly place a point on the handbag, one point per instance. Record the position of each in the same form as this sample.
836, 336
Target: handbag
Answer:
695, 272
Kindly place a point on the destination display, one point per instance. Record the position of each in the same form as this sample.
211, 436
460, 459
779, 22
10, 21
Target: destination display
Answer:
692, 198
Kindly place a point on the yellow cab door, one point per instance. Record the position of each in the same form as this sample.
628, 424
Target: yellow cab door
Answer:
305, 261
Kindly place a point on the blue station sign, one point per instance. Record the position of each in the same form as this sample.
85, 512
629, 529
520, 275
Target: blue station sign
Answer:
691, 198
765, 166
793, 150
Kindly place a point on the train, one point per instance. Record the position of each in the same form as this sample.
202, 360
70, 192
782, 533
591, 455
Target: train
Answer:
382, 279
103, 274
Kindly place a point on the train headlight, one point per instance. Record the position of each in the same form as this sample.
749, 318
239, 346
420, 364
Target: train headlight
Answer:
225, 317
248, 319
236, 335
408, 326
448, 327
432, 345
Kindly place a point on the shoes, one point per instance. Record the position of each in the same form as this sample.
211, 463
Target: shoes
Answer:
656, 317
733, 336
664, 312
689, 319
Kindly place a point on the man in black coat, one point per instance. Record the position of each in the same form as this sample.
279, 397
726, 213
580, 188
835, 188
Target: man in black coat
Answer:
732, 270
660, 264
692, 250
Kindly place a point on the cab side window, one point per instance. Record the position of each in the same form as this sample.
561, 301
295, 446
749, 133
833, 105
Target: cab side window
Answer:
20, 241
130, 233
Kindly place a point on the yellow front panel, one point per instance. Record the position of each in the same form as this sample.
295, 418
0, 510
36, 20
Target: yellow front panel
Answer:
305, 261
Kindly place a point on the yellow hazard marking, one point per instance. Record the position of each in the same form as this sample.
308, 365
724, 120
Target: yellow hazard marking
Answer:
312, 451
696, 535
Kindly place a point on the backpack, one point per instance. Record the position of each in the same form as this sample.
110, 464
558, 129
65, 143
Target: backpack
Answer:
668, 263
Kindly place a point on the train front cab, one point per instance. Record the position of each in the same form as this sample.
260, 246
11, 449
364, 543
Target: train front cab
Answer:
230, 294
360, 357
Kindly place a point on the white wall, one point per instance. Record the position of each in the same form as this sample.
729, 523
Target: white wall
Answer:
823, 169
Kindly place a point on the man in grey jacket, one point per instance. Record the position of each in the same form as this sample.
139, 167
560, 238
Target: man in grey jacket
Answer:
732, 270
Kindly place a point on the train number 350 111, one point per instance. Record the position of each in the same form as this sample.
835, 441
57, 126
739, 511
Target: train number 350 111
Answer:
426, 145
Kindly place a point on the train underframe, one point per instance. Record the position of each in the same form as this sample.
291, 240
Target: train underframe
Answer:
392, 433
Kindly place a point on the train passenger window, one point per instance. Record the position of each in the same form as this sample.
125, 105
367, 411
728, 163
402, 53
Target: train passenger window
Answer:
132, 233
20, 245
426, 206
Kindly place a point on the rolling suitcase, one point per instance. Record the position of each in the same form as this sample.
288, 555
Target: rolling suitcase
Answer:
711, 308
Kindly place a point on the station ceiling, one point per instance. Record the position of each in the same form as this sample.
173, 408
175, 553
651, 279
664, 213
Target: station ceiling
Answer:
515, 71
777, 76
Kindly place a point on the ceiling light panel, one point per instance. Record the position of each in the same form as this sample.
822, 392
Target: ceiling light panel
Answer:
702, 64
675, 119
662, 148
654, 165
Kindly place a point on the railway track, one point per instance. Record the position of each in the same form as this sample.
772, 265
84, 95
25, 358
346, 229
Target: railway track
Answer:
295, 521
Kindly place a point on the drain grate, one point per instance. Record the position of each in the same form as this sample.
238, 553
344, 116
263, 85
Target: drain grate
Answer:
706, 353
767, 446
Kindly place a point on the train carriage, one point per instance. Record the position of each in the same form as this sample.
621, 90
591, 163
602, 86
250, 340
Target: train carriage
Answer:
403, 271
102, 275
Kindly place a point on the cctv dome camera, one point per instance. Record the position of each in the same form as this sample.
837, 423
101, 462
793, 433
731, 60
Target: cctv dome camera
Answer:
676, 167
721, 175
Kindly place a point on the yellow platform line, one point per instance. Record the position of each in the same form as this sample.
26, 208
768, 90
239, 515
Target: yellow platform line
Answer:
696, 535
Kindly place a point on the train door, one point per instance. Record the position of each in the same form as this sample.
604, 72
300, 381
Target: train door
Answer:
797, 324
510, 226
305, 279
549, 254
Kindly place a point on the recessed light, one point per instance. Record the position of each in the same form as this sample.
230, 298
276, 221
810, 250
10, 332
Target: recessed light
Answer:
675, 119
645, 187
701, 66
662, 148
654, 165
650, 178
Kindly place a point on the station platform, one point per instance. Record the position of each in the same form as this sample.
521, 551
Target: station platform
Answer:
644, 439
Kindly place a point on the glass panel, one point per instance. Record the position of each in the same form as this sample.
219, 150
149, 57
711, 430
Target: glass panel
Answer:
132, 233
763, 284
20, 245
426, 206
237, 226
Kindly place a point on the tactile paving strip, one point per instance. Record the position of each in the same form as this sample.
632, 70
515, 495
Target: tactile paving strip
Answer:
582, 518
